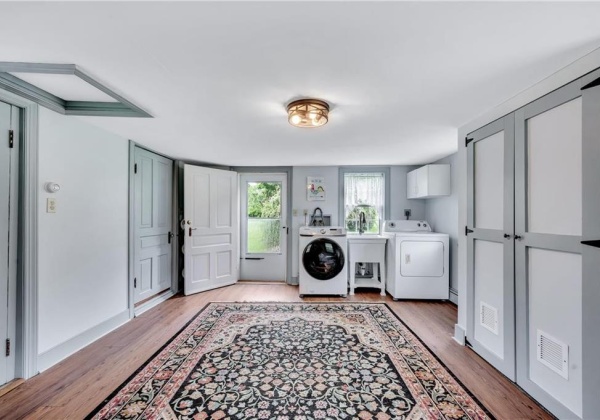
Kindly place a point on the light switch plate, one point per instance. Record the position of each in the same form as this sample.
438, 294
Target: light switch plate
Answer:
51, 205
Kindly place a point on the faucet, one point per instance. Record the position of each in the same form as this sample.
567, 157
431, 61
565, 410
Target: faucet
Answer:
362, 222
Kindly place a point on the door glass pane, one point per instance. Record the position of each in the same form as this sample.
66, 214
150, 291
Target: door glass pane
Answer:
489, 182
554, 158
264, 217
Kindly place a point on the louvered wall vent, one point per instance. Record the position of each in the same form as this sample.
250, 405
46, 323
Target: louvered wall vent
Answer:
488, 317
553, 353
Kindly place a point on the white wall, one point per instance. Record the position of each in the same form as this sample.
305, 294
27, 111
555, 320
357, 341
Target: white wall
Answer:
442, 214
330, 175
83, 247
331, 204
399, 202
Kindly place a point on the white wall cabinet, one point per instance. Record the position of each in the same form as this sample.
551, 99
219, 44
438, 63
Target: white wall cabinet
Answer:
428, 181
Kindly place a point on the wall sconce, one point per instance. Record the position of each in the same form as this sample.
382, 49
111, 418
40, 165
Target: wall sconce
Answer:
51, 187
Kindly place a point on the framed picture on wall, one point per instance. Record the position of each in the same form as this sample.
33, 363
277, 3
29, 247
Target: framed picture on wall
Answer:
315, 188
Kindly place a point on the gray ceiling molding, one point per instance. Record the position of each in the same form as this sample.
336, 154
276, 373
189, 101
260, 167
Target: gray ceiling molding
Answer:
121, 108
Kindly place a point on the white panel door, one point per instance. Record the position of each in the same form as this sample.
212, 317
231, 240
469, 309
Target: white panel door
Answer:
153, 230
263, 204
490, 253
549, 264
9, 121
211, 228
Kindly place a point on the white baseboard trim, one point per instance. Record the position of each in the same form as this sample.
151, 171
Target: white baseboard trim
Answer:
459, 334
454, 296
56, 354
153, 302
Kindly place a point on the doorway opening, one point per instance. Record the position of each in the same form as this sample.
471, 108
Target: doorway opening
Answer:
264, 228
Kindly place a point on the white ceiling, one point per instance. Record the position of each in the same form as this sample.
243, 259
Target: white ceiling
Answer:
400, 76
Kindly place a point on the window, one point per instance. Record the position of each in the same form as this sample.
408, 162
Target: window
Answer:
364, 192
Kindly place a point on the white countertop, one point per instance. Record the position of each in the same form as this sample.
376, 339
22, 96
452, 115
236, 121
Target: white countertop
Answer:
366, 238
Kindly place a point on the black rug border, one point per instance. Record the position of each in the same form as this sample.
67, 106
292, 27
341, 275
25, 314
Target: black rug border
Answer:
187, 324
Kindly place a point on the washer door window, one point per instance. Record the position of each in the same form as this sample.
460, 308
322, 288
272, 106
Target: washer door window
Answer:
323, 259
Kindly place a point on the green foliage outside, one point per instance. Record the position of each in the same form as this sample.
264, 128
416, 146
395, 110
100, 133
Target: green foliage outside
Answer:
264, 210
372, 217
264, 200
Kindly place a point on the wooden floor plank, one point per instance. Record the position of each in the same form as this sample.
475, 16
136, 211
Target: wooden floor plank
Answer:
74, 387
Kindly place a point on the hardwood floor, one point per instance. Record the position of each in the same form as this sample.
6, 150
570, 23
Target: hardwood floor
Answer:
74, 387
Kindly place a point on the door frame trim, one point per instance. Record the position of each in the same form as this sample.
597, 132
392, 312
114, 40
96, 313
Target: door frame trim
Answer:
161, 297
276, 169
26, 364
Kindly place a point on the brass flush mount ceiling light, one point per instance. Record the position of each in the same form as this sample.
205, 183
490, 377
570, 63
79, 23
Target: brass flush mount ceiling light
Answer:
308, 113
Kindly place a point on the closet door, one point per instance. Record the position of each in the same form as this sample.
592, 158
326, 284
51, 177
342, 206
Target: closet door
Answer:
490, 252
548, 251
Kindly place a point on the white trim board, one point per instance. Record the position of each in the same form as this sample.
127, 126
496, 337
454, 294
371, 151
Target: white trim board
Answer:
62, 351
575, 70
167, 294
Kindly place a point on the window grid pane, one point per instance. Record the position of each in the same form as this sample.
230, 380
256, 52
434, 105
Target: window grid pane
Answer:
367, 191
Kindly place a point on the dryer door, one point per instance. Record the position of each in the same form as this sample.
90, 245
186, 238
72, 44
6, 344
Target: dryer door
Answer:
422, 259
323, 259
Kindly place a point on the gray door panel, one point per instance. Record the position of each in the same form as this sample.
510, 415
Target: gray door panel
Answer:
9, 120
591, 254
548, 304
152, 230
490, 252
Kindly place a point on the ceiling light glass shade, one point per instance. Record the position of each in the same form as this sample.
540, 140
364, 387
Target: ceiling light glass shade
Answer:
308, 113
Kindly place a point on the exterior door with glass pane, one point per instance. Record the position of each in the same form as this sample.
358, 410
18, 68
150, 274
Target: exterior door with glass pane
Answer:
263, 202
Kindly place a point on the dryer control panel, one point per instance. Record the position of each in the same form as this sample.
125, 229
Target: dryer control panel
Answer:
393, 226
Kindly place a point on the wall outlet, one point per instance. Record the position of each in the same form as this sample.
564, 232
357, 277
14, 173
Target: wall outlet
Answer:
407, 213
51, 205
295, 212
305, 212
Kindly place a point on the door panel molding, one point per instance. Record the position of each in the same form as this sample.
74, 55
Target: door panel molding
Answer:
219, 265
160, 241
559, 243
506, 363
591, 255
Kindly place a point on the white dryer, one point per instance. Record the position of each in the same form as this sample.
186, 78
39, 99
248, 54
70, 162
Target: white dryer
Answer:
322, 260
417, 260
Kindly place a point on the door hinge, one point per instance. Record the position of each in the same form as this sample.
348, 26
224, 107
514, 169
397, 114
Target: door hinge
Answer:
7, 347
11, 139
169, 236
135, 168
135, 282
467, 141
467, 230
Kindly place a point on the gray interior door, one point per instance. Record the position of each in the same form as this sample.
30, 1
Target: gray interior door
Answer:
551, 264
153, 224
490, 253
9, 152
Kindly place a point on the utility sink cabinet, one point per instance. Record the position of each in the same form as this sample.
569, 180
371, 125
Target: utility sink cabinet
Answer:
367, 249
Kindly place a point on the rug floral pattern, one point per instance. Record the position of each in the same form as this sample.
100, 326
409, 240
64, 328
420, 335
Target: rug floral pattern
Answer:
293, 362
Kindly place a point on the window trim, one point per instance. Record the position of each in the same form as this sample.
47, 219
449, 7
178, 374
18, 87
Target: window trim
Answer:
385, 170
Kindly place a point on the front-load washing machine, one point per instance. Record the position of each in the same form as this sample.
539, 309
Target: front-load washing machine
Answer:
322, 260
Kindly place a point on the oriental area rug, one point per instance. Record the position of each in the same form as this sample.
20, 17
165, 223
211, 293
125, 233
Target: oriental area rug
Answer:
293, 361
